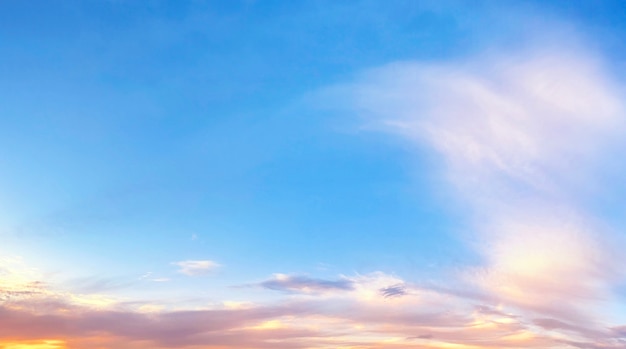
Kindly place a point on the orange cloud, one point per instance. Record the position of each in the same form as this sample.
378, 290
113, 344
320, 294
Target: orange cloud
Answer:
39, 344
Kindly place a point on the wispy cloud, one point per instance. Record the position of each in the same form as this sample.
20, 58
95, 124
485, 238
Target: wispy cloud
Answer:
196, 267
305, 284
99, 284
149, 276
394, 291
523, 139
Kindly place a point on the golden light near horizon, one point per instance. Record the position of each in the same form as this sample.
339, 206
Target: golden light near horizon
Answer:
41, 344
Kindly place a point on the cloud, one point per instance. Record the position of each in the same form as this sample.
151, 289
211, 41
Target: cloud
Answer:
149, 276
523, 139
351, 316
195, 268
305, 284
99, 284
359, 316
394, 291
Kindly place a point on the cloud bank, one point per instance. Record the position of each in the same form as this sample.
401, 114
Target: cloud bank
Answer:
378, 311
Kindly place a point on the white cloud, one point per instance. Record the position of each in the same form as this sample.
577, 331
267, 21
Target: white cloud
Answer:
527, 118
149, 276
522, 139
197, 267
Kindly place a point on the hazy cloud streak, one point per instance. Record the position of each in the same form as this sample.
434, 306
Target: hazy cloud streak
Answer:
196, 267
305, 284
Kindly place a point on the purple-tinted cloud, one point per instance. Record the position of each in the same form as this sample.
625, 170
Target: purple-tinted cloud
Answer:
394, 291
305, 284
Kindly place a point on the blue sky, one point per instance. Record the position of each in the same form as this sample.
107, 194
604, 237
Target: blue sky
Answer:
233, 156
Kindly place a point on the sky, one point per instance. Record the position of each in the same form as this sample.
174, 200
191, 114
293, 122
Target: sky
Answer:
312, 174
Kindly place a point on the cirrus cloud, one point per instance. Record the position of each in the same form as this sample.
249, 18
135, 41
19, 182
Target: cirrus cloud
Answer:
196, 267
523, 140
